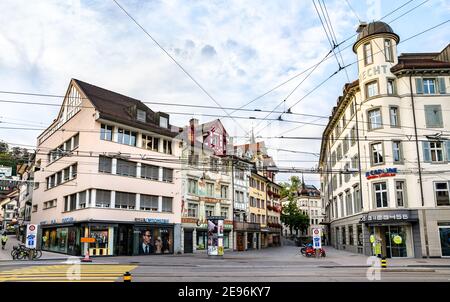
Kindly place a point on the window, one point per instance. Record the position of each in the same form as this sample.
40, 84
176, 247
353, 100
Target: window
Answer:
346, 144
344, 235
149, 172
349, 202
390, 87
400, 193
375, 120
209, 210
126, 137
371, 89
355, 164
167, 204
82, 199
368, 59
394, 116
125, 200
68, 145
126, 168
150, 142
149, 203
103, 198
167, 175
210, 189
339, 152
429, 86
353, 135
106, 132
357, 199
433, 151
433, 116
223, 191
377, 153
333, 158
141, 115
397, 152
35, 208
59, 178
388, 50
193, 159
224, 212
192, 186
347, 174
341, 203
350, 235
104, 164
163, 122
167, 146
442, 193
381, 196
70, 202
74, 170
76, 141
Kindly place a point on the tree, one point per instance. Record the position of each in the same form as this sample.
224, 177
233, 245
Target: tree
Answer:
12, 157
291, 216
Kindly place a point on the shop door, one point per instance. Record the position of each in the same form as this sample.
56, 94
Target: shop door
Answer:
124, 241
240, 242
444, 234
250, 240
395, 240
188, 242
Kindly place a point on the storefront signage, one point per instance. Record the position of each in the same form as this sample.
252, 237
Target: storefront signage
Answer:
31, 238
382, 218
151, 220
210, 200
397, 239
67, 219
215, 236
189, 220
87, 240
381, 173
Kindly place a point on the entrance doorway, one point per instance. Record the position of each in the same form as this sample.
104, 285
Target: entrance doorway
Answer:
393, 240
124, 241
240, 241
444, 234
188, 242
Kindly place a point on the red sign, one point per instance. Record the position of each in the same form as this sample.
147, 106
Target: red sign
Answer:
32, 228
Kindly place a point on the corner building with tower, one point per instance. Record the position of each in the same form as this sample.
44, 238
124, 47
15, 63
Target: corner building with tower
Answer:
385, 153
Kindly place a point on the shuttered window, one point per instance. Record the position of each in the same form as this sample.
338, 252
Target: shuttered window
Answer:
433, 116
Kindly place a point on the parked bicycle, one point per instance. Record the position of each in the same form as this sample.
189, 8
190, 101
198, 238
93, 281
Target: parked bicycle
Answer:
22, 252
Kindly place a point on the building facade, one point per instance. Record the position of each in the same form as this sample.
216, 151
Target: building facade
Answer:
385, 155
107, 172
206, 184
273, 214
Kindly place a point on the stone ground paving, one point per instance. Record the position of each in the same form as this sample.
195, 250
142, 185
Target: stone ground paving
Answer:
5, 254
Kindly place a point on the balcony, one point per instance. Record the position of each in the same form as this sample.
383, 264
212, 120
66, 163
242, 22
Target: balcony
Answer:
246, 226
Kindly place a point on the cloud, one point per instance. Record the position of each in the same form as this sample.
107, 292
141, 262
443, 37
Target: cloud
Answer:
209, 51
252, 47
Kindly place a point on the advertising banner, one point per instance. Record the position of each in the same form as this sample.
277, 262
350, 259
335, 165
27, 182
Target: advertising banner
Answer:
215, 236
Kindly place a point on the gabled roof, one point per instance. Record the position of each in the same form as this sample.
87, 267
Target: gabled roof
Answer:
122, 109
420, 61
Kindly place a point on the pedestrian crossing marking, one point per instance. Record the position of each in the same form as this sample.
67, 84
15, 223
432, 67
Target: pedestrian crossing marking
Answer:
67, 273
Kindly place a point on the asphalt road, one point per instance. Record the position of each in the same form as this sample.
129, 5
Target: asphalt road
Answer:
272, 265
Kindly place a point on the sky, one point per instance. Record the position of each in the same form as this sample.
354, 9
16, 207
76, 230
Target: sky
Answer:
236, 50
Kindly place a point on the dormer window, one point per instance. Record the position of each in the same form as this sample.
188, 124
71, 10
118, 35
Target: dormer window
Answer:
141, 115
163, 122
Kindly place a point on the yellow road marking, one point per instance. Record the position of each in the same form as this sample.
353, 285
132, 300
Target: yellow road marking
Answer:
67, 273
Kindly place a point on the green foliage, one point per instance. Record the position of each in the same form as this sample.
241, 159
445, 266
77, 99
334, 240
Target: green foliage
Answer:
291, 215
12, 157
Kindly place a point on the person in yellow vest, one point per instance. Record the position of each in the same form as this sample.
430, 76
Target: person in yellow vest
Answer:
4, 239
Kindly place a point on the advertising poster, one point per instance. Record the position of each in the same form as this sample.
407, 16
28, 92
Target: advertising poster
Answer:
215, 236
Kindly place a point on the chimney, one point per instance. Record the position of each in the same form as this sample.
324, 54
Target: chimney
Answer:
193, 122
361, 27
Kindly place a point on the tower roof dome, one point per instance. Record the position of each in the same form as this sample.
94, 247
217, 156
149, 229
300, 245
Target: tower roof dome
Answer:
366, 30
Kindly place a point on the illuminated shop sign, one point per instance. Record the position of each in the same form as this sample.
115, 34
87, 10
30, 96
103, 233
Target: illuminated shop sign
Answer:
388, 217
381, 173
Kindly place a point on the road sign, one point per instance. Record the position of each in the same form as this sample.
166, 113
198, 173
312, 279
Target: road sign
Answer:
317, 241
31, 236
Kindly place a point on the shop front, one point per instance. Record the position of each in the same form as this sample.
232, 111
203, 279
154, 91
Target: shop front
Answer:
142, 237
391, 234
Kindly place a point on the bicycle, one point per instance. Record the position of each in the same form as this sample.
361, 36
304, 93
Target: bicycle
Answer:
22, 252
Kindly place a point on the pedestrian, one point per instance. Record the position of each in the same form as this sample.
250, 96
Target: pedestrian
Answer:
44, 240
4, 239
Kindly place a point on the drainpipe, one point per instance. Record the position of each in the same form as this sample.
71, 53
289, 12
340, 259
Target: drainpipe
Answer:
419, 166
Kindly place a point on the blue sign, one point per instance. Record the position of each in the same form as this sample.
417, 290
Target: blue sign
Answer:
152, 220
67, 219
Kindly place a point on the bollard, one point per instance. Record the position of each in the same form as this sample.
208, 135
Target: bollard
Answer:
127, 277
383, 262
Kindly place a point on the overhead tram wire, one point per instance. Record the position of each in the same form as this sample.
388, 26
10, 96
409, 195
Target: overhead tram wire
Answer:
353, 11
335, 39
346, 47
175, 61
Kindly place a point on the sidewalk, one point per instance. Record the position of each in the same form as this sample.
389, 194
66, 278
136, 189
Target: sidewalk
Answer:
5, 255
